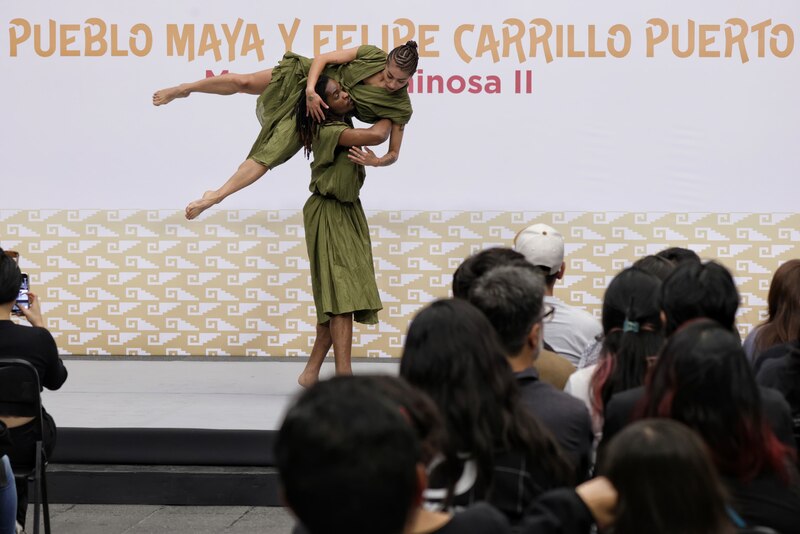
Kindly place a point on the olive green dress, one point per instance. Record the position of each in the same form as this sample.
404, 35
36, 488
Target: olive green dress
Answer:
277, 142
337, 235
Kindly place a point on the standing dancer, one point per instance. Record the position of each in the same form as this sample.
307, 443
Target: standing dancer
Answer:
337, 235
376, 83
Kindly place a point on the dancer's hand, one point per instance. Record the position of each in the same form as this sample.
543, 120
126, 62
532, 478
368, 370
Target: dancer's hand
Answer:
199, 206
363, 156
314, 105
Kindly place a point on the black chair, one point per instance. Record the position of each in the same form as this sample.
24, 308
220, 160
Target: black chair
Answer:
20, 396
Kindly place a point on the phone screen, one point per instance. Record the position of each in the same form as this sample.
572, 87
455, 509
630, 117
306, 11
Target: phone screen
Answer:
22, 298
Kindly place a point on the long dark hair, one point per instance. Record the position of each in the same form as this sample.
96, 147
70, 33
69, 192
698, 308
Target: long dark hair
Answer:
632, 333
452, 353
702, 379
306, 126
665, 480
783, 305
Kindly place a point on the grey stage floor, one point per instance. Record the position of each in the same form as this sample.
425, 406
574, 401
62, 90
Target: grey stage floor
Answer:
249, 395
114, 519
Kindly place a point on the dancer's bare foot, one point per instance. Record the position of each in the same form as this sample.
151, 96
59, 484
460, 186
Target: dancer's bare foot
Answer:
199, 206
165, 96
307, 379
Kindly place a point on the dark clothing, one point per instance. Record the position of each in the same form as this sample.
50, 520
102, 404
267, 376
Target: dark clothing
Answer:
622, 406
767, 501
563, 415
517, 479
37, 346
559, 511
781, 371
777, 352
480, 518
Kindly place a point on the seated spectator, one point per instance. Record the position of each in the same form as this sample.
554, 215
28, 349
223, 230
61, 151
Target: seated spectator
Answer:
8, 491
702, 379
572, 329
696, 290
345, 474
678, 255
495, 449
783, 374
658, 266
655, 265
553, 369
38, 347
633, 336
666, 482
512, 300
783, 323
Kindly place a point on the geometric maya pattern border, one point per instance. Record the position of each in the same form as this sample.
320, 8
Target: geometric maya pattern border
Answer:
236, 283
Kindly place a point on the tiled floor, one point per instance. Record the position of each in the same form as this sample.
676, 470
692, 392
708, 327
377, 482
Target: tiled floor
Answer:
114, 519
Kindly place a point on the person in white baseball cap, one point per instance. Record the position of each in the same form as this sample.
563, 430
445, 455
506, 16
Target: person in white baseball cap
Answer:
572, 329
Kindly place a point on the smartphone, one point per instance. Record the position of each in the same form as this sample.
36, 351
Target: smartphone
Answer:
22, 298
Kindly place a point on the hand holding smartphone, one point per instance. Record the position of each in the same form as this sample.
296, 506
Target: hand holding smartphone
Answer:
22, 298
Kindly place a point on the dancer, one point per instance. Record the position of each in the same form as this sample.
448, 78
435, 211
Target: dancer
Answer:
376, 82
337, 235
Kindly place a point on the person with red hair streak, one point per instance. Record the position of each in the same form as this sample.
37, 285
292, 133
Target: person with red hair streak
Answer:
702, 379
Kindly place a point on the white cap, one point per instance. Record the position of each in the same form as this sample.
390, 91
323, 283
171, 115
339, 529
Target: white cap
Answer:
541, 245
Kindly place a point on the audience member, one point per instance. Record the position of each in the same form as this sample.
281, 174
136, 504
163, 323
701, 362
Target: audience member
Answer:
783, 375
553, 369
783, 323
512, 300
696, 290
8, 490
36, 345
572, 329
703, 380
633, 336
666, 482
658, 266
655, 265
495, 449
679, 255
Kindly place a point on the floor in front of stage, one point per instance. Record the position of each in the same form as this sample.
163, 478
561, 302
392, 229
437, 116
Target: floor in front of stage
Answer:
247, 395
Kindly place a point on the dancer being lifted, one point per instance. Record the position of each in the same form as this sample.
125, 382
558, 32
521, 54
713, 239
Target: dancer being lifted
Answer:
375, 82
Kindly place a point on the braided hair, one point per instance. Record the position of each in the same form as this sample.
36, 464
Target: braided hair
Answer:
405, 57
306, 127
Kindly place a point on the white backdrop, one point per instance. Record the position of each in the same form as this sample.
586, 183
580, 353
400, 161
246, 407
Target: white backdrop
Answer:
637, 133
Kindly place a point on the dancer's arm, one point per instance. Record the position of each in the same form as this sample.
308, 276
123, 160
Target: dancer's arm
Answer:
368, 158
314, 103
247, 173
374, 135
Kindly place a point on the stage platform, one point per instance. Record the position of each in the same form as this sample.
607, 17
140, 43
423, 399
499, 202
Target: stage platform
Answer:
174, 432
244, 394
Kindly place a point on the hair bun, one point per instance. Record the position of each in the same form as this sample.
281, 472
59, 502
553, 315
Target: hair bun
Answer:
412, 44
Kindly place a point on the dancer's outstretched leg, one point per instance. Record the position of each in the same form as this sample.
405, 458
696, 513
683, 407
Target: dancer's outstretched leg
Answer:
342, 334
322, 345
224, 84
247, 173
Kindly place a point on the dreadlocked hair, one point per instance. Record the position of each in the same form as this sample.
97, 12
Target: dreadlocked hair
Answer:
405, 57
307, 128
